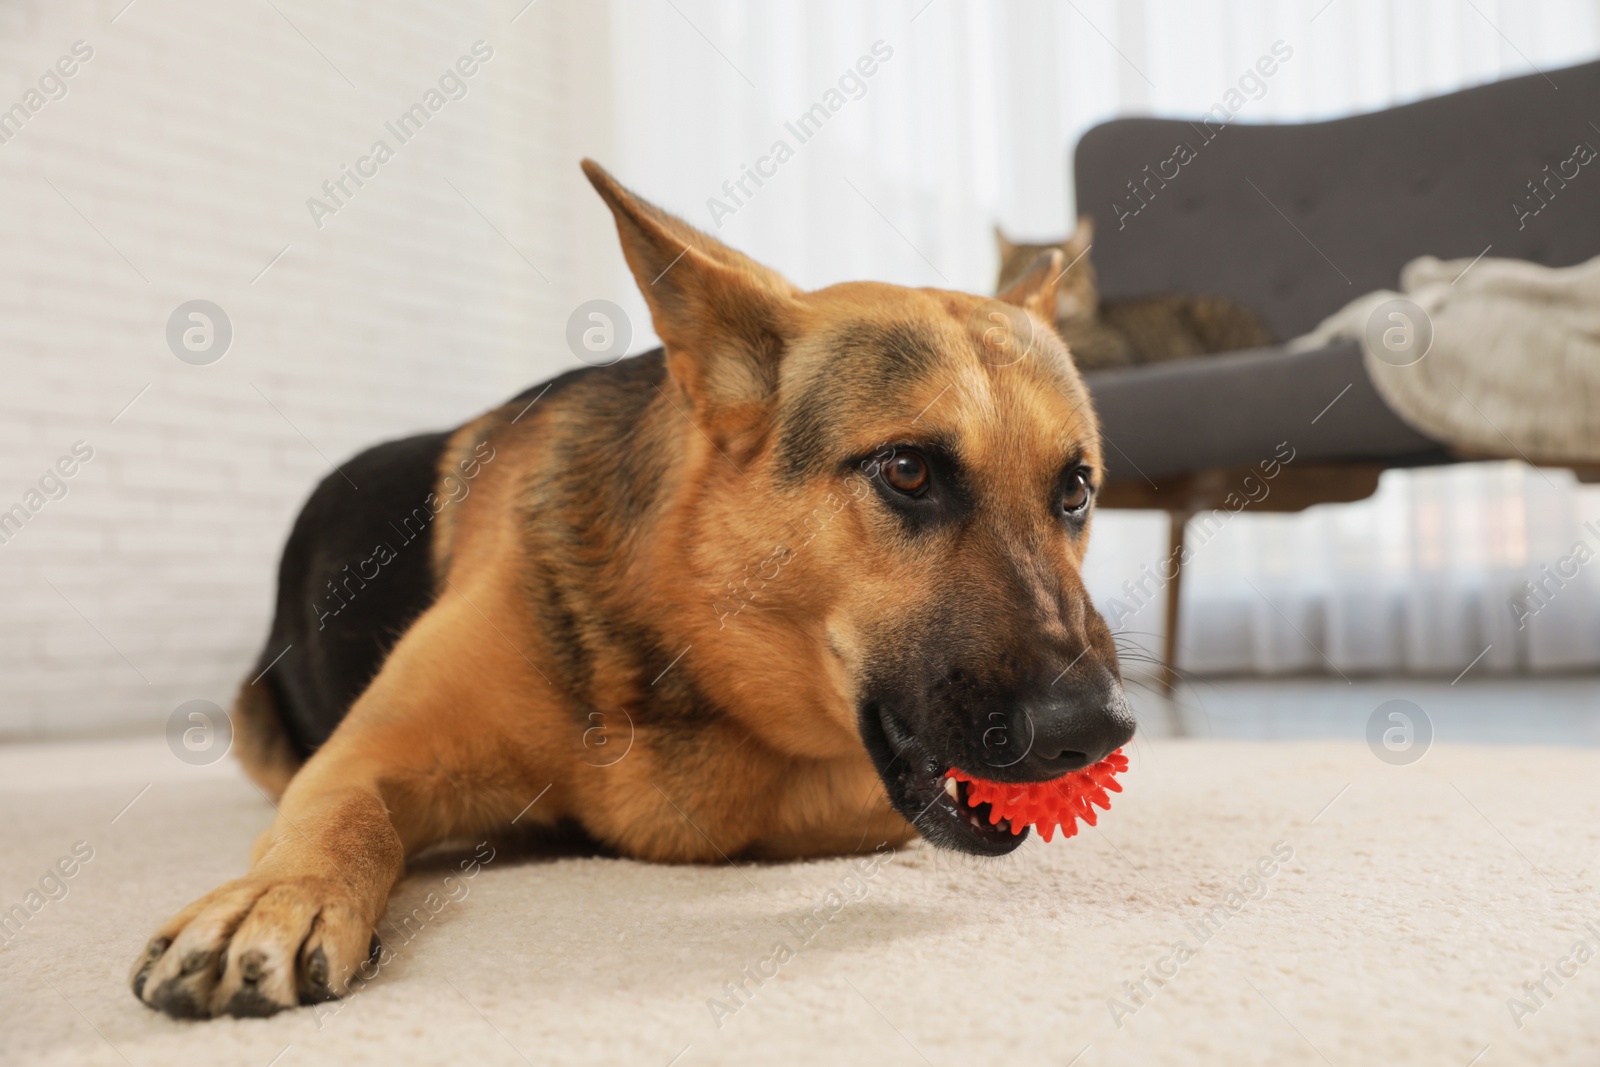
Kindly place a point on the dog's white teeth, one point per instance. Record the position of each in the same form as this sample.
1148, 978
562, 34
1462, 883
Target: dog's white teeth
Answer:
951, 790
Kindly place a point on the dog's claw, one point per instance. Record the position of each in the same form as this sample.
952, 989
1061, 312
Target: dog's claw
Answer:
179, 999
141, 966
197, 961
314, 986
251, 965
250, 1003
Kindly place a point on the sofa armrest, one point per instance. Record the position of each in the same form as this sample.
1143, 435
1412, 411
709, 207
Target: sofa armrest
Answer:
1233, 410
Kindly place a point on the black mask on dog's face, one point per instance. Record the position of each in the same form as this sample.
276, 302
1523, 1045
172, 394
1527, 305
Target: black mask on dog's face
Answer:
979, 687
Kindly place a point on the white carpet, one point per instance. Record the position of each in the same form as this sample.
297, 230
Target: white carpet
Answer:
1416, 903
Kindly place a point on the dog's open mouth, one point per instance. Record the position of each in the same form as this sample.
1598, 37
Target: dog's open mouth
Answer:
920, 790
979, 815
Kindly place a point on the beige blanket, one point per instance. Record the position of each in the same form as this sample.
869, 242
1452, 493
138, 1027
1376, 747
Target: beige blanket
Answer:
1513, 367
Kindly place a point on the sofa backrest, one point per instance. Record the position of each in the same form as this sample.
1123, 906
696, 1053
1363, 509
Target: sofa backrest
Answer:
1218, 208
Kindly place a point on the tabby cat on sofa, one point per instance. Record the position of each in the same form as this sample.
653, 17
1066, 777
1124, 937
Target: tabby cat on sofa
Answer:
1103, 334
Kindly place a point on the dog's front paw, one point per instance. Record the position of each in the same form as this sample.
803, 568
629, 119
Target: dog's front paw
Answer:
256, 946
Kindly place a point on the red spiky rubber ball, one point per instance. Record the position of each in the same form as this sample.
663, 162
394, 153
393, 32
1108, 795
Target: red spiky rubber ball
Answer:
1046, 805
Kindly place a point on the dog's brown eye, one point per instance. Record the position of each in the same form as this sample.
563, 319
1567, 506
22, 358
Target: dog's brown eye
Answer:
1075, 497
907, 472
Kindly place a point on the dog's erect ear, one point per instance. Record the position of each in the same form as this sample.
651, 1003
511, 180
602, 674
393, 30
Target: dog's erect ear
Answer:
723, 317
1036, 289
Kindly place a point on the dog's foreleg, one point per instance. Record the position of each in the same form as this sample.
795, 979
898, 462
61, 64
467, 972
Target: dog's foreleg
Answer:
301, 924
393, 779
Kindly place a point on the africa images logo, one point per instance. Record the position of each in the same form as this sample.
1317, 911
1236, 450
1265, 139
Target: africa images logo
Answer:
852, 84
452, 86
455, 489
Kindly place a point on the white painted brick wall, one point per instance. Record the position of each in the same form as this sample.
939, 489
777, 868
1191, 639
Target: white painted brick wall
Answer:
190, 141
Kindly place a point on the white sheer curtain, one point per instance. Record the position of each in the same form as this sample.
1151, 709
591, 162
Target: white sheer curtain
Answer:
970, 121
1421, 578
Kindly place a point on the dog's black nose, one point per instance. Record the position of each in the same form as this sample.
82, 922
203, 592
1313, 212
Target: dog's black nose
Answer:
1073, 730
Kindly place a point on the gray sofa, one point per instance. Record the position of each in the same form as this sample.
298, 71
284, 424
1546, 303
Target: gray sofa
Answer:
1294, 221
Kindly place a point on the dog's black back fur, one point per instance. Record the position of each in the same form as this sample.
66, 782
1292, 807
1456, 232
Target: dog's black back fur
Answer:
338, 623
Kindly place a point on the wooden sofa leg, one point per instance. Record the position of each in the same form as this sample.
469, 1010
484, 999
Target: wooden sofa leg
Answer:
1178, 522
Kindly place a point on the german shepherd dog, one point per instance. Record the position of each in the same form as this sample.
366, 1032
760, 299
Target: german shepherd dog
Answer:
813, 553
